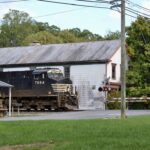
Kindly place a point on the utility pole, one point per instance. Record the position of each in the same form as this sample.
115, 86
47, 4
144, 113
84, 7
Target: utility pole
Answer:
123, 56
123, 61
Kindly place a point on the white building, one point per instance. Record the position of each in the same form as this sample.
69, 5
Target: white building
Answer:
90, 65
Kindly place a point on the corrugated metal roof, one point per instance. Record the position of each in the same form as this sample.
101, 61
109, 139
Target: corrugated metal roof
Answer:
71, 52
3, 84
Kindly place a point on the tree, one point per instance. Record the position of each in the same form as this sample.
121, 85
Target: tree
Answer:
76, 31
138, 41
43, 37
18, 29
87, 34
42, 26
112, 35
68, 37
54, 30
16, 25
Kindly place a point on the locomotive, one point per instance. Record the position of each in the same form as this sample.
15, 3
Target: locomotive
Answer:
40, 89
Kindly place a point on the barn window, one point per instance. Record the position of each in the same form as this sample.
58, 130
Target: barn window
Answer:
113, 71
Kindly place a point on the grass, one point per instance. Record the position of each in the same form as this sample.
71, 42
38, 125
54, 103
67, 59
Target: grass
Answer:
101, 134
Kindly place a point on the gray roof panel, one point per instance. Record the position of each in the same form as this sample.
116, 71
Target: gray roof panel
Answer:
3, 84
53, 53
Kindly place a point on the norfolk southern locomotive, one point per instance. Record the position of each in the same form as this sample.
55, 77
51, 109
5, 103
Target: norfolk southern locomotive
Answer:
40, 89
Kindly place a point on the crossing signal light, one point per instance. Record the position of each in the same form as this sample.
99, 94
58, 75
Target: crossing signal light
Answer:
104, 88
100, 89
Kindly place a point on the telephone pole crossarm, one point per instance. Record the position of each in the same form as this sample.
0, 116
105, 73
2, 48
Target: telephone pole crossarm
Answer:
114, 6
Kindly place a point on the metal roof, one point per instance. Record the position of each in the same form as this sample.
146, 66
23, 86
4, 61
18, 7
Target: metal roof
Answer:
99, 51
3, 84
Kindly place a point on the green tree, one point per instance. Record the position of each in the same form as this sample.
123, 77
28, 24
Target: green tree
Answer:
43, 37
18, 28
138, 41
68, 37
112, 35
76, 31
85, 35
54, 29
16, 25
42, 26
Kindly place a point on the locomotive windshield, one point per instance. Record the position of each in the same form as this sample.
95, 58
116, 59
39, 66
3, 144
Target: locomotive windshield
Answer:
55, 74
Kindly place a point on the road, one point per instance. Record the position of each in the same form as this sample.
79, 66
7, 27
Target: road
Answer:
74, 115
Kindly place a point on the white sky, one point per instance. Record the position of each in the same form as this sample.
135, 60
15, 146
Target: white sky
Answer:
98, 21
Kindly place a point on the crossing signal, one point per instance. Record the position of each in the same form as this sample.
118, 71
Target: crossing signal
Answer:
104, 88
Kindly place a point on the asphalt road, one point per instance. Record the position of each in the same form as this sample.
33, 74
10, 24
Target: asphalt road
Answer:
74, 115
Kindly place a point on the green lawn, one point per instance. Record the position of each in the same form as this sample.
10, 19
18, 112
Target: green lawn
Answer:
101, 134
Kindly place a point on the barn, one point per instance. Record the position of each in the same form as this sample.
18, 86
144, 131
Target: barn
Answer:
94, 67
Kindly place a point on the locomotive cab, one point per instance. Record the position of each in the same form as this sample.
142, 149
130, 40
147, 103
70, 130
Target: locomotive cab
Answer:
44, 80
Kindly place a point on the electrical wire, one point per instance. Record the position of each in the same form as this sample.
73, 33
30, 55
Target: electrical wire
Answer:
137, 12
92, 6
13, 1
127, 8
127, 14
73, 4
132, 11
137, 5
60, 12
102, 1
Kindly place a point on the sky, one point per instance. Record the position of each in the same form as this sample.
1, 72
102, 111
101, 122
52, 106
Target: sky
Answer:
96, 20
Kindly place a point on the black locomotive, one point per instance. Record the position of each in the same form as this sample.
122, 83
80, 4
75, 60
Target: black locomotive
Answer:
40, 89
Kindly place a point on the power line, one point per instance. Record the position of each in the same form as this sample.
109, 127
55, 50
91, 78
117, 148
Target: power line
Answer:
60, 12
119, 11
129, 15
73, 4
102, 1
131, 11
137, 5
13, 1
134, 17
115, 4
137, 12
66, 11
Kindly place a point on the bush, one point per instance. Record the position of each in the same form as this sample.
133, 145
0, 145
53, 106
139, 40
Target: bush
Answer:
114, 105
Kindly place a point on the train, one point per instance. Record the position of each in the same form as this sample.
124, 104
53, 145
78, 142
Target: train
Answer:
40, 89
